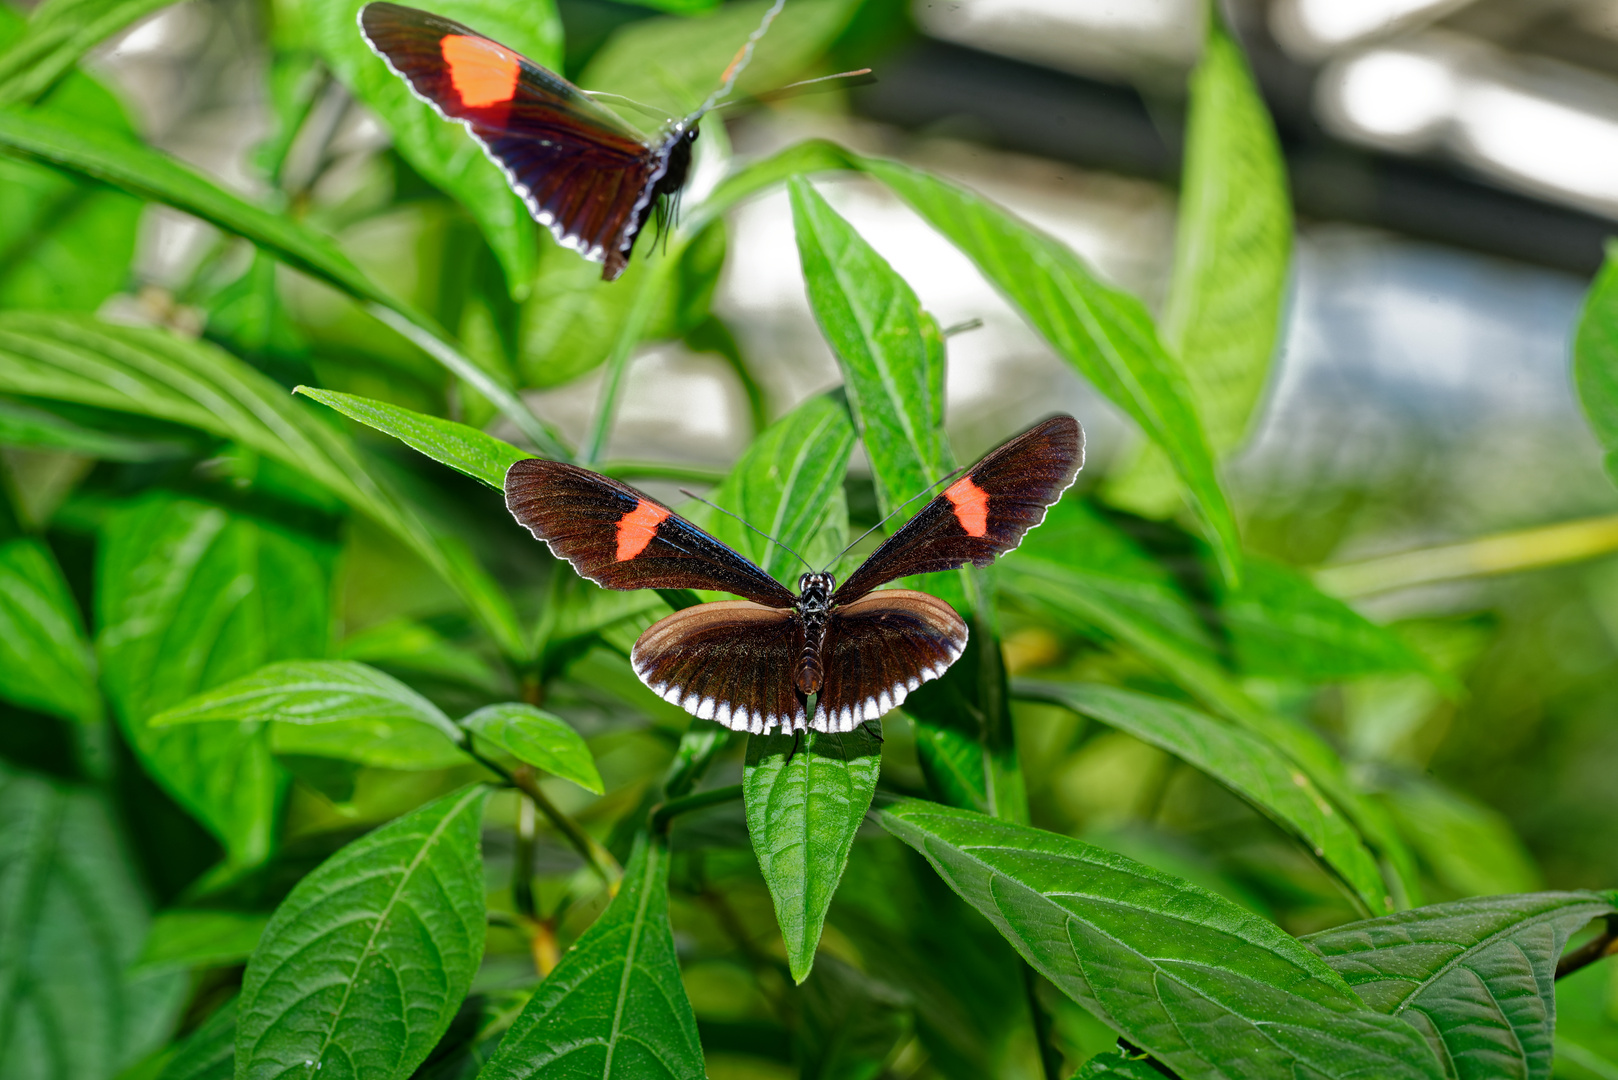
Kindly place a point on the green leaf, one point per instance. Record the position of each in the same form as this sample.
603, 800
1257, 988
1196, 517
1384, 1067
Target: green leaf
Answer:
44, 657
189, 597
31, 427
674, 63
210, 1052
538, 738
1476, 977
464, 449
143, 172
1282, 626
1595, 358
614, 1008
1247, 765
331, 708
964, 738
1117, 1065
1202, 985
58, 34
72, 917
158, 374
1105, 334
802, 815
364, 965
438, 149
852, 1023
1470, 848
788, 484
199, 938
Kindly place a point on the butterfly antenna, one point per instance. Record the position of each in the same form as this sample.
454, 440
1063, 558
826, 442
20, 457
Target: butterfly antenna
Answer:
862, 77
894, 511
743, 57
750, 525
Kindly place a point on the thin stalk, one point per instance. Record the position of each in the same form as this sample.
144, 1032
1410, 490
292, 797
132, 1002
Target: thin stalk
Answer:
526, 780
629, 336
1505, 553
664, 813
1599, 947
1050, 1058
522, 863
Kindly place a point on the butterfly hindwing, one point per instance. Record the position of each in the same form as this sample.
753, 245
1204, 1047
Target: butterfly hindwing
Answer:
878, 649
982, 515
622, 539
728, 661
583, 172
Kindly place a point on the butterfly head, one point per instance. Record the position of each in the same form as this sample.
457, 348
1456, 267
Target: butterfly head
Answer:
814, 590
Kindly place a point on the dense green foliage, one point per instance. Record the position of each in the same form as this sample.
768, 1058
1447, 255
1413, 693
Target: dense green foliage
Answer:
312, 763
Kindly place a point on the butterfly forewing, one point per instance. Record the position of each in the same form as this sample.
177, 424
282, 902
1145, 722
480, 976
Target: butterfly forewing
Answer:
878, 649
622, 539
582, 171
725, 661
982, 515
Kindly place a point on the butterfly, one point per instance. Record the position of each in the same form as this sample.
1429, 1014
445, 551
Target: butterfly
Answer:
752, 664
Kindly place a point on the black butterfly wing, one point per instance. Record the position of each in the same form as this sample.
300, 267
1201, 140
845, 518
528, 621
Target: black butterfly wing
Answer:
878, 649
583, 172
622, 539
982, 515
729, 661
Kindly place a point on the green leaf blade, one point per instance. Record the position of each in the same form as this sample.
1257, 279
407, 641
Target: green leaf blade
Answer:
802, 816
1475, 976
363, 966
1204, 986
1242, 762
44, 657
614, 1008
1595, 359
538, 738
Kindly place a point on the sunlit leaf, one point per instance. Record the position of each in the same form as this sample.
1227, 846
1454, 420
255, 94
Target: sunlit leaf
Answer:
162, 375
538, 738
188, 597
614, 1008
44, 657
1204, 986
1476, 977
1242, 762
802, 815
363, 966
72, 916
464, 449
1595, 359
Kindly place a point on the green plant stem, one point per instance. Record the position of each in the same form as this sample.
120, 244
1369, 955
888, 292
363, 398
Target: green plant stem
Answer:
629, 336
661, 470
1599, 947
664, 813
526, 780
1050, 1058
522, 862
1526, 549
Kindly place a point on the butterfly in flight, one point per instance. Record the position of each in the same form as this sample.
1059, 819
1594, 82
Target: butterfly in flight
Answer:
581, 170
752, 664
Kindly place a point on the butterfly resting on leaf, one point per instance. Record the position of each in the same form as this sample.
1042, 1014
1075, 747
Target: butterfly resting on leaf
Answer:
753, 664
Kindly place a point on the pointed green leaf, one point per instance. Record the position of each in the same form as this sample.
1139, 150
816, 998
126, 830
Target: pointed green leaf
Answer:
72, 917
1595, 359
802, 815
464, 449
440, 150
538, 738
614, 1008
364, 965
1247, 765
210, 1052
189, 597
159, 374
44, 657
1476, 977
1206, 987
789, 484
1105, 334
330, 708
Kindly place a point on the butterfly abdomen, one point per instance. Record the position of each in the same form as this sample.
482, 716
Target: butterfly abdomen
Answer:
814, 609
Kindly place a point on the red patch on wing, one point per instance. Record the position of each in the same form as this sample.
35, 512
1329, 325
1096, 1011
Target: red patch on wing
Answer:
482, 72
636, 529
971, 505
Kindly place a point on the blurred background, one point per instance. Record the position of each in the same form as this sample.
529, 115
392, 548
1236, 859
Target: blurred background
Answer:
1455, 174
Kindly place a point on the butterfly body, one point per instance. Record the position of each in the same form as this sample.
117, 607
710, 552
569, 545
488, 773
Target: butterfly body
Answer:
582, 171
753, 664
